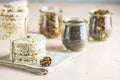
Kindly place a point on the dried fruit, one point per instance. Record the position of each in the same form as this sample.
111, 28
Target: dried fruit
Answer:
46, 61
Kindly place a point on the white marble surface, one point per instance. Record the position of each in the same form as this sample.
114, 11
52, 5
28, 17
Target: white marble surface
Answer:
99, 60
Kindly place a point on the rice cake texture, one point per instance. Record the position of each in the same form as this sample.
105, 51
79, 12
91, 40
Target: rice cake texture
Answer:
13, 20
28, 50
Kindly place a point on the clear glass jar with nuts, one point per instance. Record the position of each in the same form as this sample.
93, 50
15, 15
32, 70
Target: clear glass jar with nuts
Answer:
50, 22
100, 25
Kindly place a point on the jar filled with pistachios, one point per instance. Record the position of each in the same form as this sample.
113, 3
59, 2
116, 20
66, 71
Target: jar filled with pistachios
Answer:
100, 25
50, 22
74, 34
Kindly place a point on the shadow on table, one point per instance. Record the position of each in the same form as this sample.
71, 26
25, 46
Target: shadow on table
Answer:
56, 49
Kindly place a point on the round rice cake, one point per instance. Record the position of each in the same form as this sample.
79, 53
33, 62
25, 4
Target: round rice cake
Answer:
22, 3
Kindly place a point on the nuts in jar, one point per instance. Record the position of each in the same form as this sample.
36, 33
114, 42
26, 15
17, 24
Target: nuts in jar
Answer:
100, 25
50, 22
75, 34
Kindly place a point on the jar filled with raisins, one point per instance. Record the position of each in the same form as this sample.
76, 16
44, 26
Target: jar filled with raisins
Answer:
74, 34
100, 25
51, 22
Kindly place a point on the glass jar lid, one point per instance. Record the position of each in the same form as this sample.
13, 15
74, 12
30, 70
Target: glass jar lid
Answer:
47, 9
92, 12
74, 21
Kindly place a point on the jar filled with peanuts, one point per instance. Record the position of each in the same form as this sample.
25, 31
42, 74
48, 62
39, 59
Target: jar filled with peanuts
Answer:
50, 22
100, 25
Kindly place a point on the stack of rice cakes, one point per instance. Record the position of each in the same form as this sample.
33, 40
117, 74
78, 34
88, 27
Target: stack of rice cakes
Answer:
13, 20
29, 50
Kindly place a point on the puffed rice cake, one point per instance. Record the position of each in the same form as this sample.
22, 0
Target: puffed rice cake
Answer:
28, 50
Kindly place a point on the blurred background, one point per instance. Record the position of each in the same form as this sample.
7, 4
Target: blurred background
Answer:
75, 1
76, 8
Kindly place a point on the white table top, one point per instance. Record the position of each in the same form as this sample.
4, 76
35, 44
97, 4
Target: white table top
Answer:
99, 60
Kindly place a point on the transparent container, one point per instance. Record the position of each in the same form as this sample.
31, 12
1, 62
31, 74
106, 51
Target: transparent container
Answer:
100, 26
74, 34
51, 22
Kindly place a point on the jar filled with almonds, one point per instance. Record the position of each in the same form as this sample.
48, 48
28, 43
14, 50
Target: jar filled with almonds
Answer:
50, 22
100, 25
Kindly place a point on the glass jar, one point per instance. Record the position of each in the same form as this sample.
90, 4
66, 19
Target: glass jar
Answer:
50, 22
100, 26
74, 35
